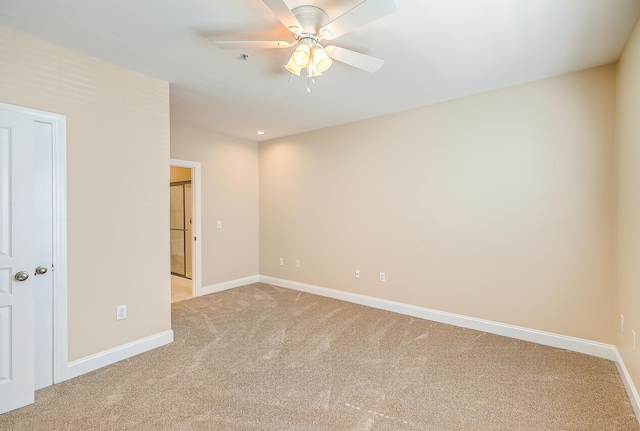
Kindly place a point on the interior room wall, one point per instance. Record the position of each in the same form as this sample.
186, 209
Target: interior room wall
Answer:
498, 206
229, 171
627, 295
118, 240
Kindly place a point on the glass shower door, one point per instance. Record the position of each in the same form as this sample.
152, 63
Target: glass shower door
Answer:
179, 230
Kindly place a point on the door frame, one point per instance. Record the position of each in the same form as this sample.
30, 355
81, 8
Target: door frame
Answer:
59, 182
196, 247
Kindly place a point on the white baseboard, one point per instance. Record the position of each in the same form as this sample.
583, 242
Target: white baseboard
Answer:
219, 287
593, 348
108, 357
579, 345
111, 356
628, 383
606, 351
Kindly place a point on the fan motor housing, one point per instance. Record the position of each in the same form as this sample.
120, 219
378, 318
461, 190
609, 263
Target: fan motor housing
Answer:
311, 18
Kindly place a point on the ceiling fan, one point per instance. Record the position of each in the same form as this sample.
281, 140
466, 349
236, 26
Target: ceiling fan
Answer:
309, 25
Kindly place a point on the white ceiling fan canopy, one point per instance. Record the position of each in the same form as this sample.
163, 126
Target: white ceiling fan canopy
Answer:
311, 18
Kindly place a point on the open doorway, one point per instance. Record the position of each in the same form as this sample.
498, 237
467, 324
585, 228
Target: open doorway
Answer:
184, 218
181, 222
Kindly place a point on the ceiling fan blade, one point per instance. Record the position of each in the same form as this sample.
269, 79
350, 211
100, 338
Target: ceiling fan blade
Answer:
353, 58
364, 13
252, 44
284, 14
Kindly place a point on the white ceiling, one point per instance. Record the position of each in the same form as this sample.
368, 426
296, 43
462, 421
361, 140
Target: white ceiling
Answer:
434, 50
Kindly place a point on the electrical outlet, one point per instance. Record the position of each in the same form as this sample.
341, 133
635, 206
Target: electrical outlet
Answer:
357, 273
219, 225
121, 312
622, 323
281, 261
383, 277
298, 263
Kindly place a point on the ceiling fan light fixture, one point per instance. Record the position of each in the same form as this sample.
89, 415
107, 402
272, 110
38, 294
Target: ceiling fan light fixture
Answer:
291, 67
310, 24
321, 60
301, 56
312, 70
313, 73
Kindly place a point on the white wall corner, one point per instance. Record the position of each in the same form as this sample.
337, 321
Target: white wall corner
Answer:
579, 345
111, 356
219, 287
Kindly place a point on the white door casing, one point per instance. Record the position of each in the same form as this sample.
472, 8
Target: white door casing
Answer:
17, 315
43, 232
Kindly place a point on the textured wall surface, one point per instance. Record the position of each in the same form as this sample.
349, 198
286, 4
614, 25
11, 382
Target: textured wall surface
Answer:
117, 186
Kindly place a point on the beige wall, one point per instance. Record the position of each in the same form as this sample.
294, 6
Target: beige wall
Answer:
118, 225
229, 170
628, 198
497, 206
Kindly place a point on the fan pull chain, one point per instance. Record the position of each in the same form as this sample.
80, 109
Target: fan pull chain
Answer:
313, 79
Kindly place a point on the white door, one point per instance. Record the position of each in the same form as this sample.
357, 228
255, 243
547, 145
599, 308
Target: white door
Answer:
16, 258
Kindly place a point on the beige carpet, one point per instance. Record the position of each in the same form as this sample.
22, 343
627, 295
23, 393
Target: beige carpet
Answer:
265, 358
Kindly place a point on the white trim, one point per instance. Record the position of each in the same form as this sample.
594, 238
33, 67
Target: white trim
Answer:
628, 383
579, 345
111, 356
219, 287
60, 330
593, 348
196, 211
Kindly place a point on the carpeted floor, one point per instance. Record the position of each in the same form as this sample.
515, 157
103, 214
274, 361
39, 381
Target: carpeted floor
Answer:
266, 358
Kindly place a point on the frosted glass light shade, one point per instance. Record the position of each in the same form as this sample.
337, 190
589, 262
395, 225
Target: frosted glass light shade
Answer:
301, 56
291, 67
321, 60
312, 70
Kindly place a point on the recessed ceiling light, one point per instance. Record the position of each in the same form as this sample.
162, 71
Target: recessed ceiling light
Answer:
260, 132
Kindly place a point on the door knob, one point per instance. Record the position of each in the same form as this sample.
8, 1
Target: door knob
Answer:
22, 276
41, 270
